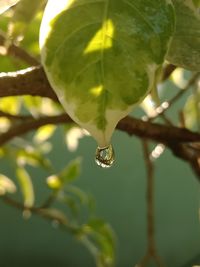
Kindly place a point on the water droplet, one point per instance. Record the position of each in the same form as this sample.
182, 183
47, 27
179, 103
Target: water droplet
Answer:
105, 156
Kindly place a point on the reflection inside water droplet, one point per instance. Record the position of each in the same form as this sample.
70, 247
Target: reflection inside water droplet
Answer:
105, 156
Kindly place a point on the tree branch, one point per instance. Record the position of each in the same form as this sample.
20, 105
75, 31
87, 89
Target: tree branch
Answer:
151, 253
167, 135
32, 81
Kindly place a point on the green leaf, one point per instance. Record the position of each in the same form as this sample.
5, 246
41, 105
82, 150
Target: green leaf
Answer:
33, 105
10, 105
6, 185
82, 196
67, 175
185, 46
32, 156
26, 185
196, 3
101, 242
71, 203
101, 56
72, 171
192, 111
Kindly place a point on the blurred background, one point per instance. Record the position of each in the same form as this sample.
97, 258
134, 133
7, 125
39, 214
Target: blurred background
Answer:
120, 200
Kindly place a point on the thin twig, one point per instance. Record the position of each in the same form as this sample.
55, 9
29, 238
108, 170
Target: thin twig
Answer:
151, 253
39, 211
31, 81
171, 136
132, 126
166, 105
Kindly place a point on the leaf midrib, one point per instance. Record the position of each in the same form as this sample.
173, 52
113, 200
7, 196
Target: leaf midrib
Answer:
104, 30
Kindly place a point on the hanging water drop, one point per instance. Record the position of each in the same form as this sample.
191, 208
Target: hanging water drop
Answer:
105, 156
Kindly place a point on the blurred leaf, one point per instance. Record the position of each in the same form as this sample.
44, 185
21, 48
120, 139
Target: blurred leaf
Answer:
54, 182
2, 152
6, 4
196, 3
55, 214
4, 124
32, 157
72, 204
192, 111
69, 174
44, 133
184, 49
49, 107
101, 242
26, 186
82, 196
6, 185
10, 105
72, 171
30, 41
33, 105
73, 134
24, 12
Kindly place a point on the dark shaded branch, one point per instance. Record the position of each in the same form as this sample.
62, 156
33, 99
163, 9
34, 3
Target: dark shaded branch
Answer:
187, 153
32, 124
167, 135
153, 131
167, 71
31, 81
157, 132
151, 253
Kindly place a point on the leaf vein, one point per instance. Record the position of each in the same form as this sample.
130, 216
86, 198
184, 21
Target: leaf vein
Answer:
140, 14
68, 37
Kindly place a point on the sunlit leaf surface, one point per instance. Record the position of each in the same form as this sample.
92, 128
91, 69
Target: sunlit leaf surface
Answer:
101, 56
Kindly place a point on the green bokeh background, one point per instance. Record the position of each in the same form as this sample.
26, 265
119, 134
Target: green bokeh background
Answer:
120, 197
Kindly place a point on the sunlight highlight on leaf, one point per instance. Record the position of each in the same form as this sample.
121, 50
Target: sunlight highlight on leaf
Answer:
4, 124
97, 91
54, 182
73, 137
44, 133
6, 185
178, 77
10, 104
26, 186
98, 42
102, 57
